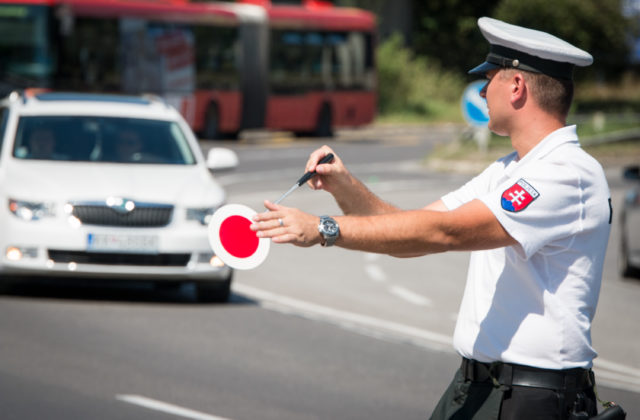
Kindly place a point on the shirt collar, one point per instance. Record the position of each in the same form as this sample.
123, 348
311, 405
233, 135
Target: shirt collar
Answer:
555, 139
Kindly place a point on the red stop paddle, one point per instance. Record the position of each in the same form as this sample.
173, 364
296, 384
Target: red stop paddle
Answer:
232, 240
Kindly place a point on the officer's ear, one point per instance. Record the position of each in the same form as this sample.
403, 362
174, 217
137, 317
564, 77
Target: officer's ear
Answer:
519, 90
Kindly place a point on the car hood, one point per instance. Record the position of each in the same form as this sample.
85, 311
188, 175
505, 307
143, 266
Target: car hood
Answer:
186, 185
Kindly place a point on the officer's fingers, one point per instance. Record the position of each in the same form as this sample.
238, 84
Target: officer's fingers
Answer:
325, 171
315, 157
292, 238
285, 238
315, 183
274, 212
326, 168
272, 207
267, 230
268, 227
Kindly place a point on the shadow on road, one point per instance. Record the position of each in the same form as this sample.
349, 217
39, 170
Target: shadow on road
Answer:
111, 291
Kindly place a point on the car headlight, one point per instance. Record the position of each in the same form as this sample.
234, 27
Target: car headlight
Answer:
202, 215
28, 210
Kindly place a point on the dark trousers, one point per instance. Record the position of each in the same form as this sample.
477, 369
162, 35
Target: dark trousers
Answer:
488, 399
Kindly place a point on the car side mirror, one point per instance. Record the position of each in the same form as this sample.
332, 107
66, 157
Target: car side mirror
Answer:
221, 159
631, 173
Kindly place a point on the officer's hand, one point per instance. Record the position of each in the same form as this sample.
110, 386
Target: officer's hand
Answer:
286, 225
330, 176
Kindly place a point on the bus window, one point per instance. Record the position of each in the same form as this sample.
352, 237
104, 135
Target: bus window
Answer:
24, 46
288, 62
163, 54
352, 60
302, 61
317, 78
88, 56
217, 57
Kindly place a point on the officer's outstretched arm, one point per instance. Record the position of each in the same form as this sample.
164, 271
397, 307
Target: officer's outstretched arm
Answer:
471, 226
419, 232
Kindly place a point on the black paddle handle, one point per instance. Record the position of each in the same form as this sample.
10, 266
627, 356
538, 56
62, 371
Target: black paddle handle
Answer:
308, 175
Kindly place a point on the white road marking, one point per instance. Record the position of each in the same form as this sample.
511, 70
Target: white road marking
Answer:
375, 273
409, 296
617, 367
350, 320
166, 407
616, 380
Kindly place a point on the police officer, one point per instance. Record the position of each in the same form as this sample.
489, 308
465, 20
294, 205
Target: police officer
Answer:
537, 221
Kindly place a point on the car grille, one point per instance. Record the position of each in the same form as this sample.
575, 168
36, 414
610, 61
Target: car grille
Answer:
146, 215
108, 258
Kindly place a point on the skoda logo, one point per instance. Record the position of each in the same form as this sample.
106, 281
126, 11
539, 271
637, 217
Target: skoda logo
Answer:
121, 205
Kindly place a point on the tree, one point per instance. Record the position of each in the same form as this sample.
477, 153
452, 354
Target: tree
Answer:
447, 30
596, 26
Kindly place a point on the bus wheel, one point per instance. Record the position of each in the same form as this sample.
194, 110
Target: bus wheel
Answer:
324, 124
212, 123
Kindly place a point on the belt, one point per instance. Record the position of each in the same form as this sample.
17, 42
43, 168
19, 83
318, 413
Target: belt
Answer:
510, 374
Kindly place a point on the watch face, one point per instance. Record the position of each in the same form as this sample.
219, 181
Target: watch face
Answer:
329, 227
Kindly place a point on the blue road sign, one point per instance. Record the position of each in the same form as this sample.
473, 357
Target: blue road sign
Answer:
474, 107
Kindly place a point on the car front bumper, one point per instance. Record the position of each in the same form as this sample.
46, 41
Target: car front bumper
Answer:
32, 249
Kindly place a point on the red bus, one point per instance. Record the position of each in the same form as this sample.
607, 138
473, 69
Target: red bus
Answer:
226, 66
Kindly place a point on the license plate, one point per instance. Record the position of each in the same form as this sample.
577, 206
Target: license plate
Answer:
98, 242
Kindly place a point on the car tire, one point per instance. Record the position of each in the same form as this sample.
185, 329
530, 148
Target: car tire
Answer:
214, 291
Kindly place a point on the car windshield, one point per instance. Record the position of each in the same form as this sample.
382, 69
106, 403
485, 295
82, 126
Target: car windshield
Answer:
102, 139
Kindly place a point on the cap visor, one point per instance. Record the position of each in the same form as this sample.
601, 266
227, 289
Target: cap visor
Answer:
483, 68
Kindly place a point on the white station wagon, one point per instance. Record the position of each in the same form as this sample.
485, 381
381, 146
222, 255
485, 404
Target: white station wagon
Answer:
107, 186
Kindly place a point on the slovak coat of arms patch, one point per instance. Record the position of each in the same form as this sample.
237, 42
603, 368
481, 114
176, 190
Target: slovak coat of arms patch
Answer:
518, 196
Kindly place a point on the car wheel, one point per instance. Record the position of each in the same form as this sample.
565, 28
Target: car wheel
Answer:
214, 291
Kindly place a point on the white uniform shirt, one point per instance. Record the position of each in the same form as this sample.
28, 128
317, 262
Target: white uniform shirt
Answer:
533, 303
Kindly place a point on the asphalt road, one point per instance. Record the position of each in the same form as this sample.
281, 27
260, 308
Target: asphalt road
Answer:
310, 334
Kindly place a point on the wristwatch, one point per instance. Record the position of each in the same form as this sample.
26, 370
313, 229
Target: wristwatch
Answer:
329, 230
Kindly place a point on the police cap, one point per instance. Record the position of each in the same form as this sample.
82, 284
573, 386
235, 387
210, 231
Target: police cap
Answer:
528, 49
